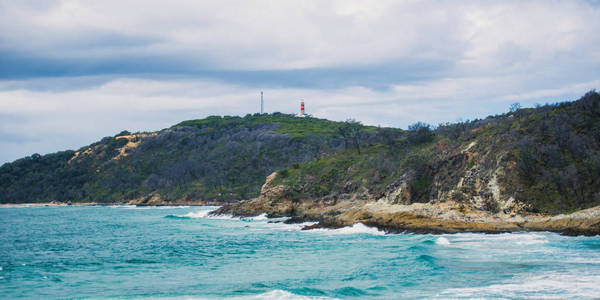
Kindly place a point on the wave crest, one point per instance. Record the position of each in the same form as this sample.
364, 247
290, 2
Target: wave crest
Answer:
357, 228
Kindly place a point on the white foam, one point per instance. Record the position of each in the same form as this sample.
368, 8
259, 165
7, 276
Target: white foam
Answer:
290, 227
222, 217
196, 214
554, 286
274, 294
442, 241
122, 206
491, 241
206, 214
170, 206
354, 229
282, 295
260, 217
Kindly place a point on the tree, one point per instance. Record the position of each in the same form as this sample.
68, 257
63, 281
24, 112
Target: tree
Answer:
351, 132
420, 133
514, 107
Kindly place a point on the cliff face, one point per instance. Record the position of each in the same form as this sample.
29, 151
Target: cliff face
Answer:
505, 173
436, 216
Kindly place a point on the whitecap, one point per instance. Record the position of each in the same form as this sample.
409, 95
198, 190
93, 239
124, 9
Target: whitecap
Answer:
555, 286
222, 217
282, 295
358, 228
274, 294
290, 227
206, 214
499, 241
260, 217
442, 241
196, 214
122, 206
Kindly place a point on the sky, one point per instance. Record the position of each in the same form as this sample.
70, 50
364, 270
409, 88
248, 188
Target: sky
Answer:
72, 72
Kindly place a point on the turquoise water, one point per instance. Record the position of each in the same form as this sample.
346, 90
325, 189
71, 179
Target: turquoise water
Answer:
179, 253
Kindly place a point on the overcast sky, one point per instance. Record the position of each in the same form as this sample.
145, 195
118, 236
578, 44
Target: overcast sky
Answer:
72, 72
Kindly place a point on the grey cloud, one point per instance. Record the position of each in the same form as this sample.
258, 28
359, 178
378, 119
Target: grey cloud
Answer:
73, 73
73, 62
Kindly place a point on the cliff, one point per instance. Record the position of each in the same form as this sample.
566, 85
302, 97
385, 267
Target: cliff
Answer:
531, 169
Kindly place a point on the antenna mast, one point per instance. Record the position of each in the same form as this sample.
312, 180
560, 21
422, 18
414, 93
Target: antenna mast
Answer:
261, 102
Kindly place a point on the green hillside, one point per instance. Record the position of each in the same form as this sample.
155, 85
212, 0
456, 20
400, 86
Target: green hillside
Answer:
543, 159
213, 159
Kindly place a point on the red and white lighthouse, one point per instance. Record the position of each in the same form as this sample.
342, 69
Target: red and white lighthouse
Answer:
301, 114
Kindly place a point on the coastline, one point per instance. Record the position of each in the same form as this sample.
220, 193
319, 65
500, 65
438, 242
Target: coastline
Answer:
420, 218
436, 216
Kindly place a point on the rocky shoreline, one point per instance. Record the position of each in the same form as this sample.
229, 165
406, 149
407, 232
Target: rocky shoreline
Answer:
423, 218
433, 217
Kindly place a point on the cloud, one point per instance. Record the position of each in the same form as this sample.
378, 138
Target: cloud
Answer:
109, 36
73, 71
47, 121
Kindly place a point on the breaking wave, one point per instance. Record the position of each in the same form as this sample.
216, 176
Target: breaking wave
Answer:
442, 241
358, 228
555, 286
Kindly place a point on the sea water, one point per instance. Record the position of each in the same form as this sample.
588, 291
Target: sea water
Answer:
130, 252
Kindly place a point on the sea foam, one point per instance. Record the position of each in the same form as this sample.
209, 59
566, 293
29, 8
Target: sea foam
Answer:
555, 286
282, 295
206, 214
357, 228
442, 241
274, 294
496, 241
197, 214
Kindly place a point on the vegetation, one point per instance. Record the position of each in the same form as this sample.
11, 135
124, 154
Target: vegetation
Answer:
351, 132
550, 156
216, 159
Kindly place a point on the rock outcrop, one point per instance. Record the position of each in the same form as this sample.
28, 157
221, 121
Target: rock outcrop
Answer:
394, 213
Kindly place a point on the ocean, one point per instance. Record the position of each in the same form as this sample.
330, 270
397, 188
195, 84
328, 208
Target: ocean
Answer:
127, 252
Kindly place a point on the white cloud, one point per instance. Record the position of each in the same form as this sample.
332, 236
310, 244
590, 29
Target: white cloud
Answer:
308, 34
485, 55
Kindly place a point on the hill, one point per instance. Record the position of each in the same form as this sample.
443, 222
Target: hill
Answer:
536, 161
213, 160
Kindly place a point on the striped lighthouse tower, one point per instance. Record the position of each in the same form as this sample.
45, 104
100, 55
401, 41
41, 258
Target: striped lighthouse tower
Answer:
301, 114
